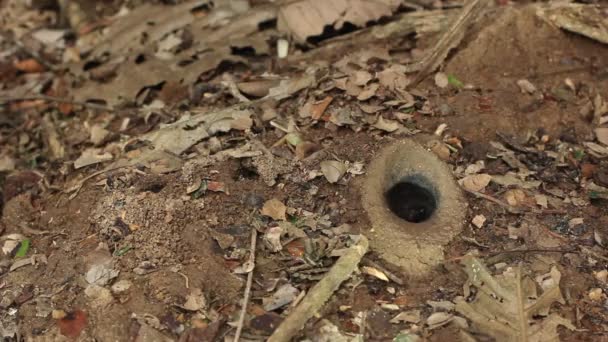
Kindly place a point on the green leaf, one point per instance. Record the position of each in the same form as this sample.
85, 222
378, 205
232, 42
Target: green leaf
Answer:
200, 192
579, 154
24, 246
406, 338
122, 251
454, 81
293, 139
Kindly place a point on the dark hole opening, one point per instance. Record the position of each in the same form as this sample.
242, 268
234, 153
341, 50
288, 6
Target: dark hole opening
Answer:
411, 201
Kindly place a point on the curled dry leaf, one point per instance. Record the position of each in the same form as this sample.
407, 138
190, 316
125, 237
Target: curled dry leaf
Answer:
91, 156
387, 125
412, 316
361, 77
438, 319
275, 209
308, 18
374, 272
368, 92
333, 170
476, 182
319, 108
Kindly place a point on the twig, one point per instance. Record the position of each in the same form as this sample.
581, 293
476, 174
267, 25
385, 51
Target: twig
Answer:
321, 292
450, 39
239, 327
512, 209
517, 251
54, 99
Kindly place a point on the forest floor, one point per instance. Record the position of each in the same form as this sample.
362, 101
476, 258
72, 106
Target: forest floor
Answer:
143, 143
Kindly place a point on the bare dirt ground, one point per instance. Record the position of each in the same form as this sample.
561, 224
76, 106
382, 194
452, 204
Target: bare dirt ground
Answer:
142, 143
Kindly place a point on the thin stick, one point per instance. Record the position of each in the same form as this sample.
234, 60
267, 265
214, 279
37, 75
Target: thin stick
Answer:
517, 251
512, 209
239, 327
321, 292
54, 99
507, 206
450, 39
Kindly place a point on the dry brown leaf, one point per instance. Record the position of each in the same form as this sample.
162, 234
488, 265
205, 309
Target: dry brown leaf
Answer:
317, 109
374, 272
333, 170
601, 134
477, 182
258, 88
91, 156
153, 21
504, 305
368, 92
29, 65
274, 209
286, 88
370, 109
393, 77
308, 18
583, 19
387, 125
361, 77
183, 134
515, 197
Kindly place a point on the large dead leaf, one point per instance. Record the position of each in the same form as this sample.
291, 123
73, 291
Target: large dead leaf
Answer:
308, 18
578, 18
508, 307
149, 23
181, 135
132, 76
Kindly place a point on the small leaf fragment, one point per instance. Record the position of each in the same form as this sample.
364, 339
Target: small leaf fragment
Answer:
454, 81
333, 170
23, 248
274, 209
477, 182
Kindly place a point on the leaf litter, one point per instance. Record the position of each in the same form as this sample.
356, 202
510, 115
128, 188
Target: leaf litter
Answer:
198, 141
508, 307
